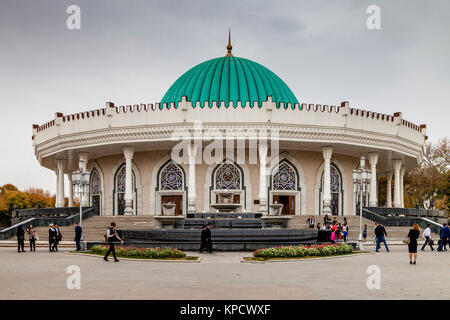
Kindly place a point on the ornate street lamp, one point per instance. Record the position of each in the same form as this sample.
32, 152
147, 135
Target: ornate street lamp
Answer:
80, 182
361, 181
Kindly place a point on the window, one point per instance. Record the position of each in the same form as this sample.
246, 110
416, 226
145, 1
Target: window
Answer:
228, 177
284, 178
171, 177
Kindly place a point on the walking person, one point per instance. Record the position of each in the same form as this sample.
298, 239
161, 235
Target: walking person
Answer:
51, 237
58, 237
380, 232
32, 237
311, 221
413, 235
365, 233
427, 237
203, 239
78, 235
112, 236
345, 231
445, 235
20, 239
208, 238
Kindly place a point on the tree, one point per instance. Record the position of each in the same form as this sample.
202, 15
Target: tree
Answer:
39, 196
426, 185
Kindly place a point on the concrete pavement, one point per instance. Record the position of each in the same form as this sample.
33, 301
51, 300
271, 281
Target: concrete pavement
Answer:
42, 275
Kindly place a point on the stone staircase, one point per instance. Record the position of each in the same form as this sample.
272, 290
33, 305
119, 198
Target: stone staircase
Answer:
95, 227
394, 233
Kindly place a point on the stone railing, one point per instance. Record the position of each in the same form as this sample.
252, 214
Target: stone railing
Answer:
25, 214
45, 220
439, 216
400, 220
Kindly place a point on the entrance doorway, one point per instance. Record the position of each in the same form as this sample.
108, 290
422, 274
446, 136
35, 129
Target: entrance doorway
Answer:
288, 203
121, 204
96, 203
334, 204
177, 200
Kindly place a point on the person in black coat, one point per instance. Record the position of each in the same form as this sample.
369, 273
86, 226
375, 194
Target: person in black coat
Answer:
59, 237
208, 237
78, 234
51, 238
413, 235
380, 232
204, 239
20, 239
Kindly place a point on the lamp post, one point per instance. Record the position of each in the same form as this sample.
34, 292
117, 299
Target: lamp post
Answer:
80, 182
361, 181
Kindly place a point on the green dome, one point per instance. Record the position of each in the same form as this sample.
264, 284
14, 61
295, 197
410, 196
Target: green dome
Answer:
228, 79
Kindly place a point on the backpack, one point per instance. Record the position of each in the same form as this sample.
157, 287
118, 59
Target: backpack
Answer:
106, 235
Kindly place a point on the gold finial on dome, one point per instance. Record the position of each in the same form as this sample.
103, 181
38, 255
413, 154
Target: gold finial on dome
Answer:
229, 46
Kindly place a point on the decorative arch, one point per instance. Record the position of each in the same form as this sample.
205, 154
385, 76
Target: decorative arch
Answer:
169, 178
336, 186
97, 188
118, 187
228, 173
291, 168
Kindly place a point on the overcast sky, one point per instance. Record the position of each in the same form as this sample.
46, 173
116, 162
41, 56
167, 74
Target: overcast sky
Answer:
130, 52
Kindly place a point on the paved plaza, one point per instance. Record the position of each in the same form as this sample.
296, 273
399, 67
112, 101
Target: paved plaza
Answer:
42, 275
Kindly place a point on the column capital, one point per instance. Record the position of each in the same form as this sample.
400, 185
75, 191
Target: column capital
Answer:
389, 175
396, 164
402, 170
327, 152
262, 148
373, 158
60, 164
192, 149
128, 153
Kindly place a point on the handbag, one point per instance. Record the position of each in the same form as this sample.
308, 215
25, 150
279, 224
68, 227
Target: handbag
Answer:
406, 240
431, 242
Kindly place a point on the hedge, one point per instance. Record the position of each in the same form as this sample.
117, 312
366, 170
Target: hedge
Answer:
303, 251
149, 253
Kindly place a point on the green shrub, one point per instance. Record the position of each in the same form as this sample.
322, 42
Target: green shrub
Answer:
303, 251
151, 253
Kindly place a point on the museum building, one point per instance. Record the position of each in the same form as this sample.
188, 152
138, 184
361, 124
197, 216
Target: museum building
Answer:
285, 157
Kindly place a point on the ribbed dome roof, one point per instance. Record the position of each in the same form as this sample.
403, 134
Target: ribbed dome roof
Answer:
228, 79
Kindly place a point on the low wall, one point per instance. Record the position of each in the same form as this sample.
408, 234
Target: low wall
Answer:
401, 221
45, 220
440, 216
217, 246
25, 214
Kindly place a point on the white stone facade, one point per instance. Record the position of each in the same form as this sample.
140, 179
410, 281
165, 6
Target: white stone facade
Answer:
312, 139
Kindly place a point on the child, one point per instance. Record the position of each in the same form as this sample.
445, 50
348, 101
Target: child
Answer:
333, 236
365, 233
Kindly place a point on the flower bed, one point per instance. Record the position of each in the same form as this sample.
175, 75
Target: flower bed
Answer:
145, 253
303, 251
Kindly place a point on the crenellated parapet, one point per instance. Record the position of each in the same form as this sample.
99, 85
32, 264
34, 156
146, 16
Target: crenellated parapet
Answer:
311, 122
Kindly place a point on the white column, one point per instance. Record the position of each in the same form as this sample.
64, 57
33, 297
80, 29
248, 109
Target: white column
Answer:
82, 165
262, 150
128, 153
327, 152
192, 195
60, 184
389, 190
373, 198
69, 177
402, 192
397, 164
